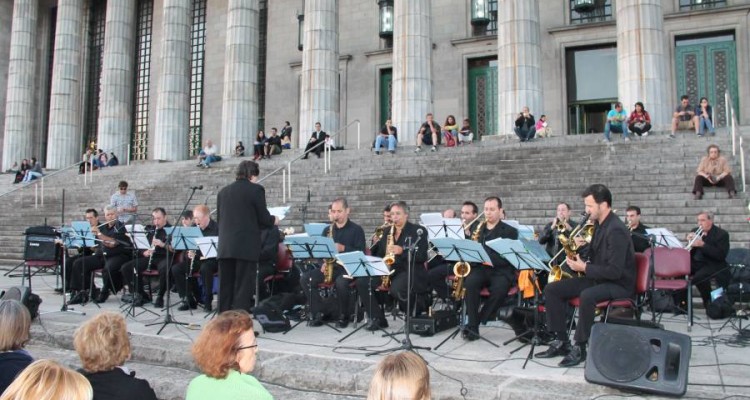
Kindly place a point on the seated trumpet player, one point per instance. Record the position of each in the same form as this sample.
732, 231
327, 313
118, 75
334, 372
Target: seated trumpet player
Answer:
194, 262
348, 236
637, 230
609, 274
709, 246
393, 248
498, 277
153, 258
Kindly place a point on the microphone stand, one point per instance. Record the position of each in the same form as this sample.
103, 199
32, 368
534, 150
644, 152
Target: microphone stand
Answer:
304, 208
64, 307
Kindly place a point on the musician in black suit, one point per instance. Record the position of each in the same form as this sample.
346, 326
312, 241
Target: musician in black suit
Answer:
404, 234
609, 274
499, 277
111, 255
637, 229
242, 213
708, 256
347, 236
157, 236
317, 137
550, 233
184, 283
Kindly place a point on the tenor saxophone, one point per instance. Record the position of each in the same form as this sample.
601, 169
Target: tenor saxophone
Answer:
389, 258
462, 269
329, 263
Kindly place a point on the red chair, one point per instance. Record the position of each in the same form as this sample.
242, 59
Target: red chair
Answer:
39, 265
284, 263
672, 273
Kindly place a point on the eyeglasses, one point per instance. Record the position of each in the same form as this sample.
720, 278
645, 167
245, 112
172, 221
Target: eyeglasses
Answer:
247, 347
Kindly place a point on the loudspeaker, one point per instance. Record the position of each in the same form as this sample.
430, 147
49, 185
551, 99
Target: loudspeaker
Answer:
430, 325
40, 248
631, 357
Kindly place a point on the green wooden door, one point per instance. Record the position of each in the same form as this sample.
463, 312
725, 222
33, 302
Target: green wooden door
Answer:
483, 99
386, 77
708, 70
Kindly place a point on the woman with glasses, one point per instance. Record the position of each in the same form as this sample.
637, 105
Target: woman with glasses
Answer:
226, 353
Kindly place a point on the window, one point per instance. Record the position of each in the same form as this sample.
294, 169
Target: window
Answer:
93, 84
198, 52
144, 24
588, 11
688, 5
491, 28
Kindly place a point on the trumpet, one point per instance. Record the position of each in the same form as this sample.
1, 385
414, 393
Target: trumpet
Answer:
375, 238
698, 234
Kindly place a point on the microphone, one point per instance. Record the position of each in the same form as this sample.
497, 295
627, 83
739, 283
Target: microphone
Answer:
200, 187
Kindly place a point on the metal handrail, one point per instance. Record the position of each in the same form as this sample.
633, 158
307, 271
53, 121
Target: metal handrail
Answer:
286, 179
732, 121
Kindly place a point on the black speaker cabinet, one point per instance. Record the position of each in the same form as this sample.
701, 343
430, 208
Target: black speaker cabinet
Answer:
40, 248
636, 358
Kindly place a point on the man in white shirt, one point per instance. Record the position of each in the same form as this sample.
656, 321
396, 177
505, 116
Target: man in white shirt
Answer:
208, 155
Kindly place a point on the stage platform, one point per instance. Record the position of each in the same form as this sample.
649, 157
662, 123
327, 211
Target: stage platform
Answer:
310, 363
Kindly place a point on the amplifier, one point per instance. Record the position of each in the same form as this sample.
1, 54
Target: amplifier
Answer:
429, 325
40, 248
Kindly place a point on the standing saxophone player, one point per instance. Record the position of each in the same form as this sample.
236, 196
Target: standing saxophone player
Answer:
348, 236
404, 234
498, 278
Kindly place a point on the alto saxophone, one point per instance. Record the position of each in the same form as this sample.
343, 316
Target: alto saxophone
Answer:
329, 263
389, 258
462, 269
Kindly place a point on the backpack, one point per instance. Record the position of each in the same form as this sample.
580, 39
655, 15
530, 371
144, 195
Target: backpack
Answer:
450, 141
270, 314
720, 308
663, 302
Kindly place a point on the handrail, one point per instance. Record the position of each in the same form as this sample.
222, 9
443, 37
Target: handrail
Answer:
732, 121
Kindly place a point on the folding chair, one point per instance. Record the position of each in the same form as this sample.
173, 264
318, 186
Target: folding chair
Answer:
672, 274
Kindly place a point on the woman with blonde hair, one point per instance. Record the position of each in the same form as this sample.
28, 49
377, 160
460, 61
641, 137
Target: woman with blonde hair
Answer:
103, 346
401, 376
226, 352
15, 322
48, 380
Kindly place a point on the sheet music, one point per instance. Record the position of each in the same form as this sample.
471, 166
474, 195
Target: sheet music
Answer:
315, 228
524, 231
665, 238
138, 236
279, 212
439, 227
208, 245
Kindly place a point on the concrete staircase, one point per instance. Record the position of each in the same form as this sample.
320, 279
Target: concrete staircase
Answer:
654, 173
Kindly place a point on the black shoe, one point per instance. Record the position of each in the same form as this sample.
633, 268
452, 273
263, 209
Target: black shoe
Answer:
342, 323
187, 305
78, 298
103, 296
95, 292
376, 324
470, 335
317, 320
556, 348
159, 302
139, 300
576, 356
208, 307
127, 298
58, 290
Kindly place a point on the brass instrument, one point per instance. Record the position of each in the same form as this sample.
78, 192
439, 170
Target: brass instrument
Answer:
389, 258
329, 263
560, 224
462, 269
468, 224
698, 234
586, 230
375, 238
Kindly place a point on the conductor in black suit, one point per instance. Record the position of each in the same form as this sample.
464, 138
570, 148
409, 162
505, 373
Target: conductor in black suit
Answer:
317, 137
242, 213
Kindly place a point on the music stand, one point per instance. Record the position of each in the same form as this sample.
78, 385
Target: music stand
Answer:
139, 241
185, 241
524, 231
68, 238
311, 247
664, 238
438, 227
208, 246
515, 252
315, 228
462, 250
359, 265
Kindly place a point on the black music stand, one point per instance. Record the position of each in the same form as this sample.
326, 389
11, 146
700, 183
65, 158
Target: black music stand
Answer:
358, 265
208, 246
521, 258
309, 248
462, 250
139, 241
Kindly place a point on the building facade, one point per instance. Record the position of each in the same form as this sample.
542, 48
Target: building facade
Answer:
154, 79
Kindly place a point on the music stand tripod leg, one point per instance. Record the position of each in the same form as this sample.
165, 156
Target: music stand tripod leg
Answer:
64, 307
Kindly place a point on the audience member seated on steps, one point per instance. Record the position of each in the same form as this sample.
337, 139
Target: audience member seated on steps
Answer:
524, 125
401, 376
113, 161
35, 172
541, 128
319, 136
21, 172
15, 323
639, 121
465, 135
226, 352
713, 170
103, 346
272, 145
286, 135
260, 141
429, 134
48, 380
683, 117
704, 118
239, 150
616, 123
388, 136
208, 155
451, 128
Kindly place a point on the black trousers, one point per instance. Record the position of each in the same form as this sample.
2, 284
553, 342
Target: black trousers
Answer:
312, 144
141, 263
498, 282
727, 183
702, 274
313, 278
371, 300
111, 274
184, 281
236, 284
590, 292
437, 278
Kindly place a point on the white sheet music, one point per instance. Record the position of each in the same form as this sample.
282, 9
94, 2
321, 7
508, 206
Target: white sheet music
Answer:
279, 212
439, 227
524, 231
208, 245
665, 237
138, 236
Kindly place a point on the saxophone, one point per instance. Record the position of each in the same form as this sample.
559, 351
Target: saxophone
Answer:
462, 269
329, 263
389, 258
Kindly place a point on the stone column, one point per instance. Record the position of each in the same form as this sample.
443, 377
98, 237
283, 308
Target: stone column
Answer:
642, 59
173, 102
320, 69
118, 65
19, 105
240, 108
412, 68
64, 138
519, 61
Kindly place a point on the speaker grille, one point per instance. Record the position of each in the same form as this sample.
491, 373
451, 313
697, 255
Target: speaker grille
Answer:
621, 356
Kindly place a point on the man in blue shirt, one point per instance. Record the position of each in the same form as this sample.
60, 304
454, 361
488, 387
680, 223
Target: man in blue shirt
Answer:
616, 122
